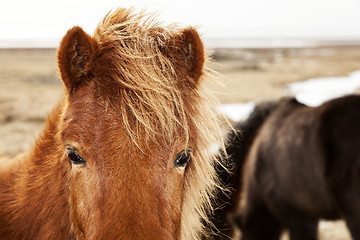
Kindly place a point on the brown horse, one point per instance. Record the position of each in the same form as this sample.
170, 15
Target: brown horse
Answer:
303, 165
125, 155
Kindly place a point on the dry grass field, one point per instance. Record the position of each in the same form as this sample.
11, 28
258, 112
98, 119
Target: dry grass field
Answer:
258, 74
29, 88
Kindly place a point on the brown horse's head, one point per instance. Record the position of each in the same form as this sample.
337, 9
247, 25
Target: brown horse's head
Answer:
136, 129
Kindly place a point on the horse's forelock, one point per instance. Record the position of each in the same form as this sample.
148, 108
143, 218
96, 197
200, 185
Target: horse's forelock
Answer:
150, 72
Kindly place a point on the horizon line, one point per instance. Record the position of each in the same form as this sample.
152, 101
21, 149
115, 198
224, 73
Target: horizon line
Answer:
211, 42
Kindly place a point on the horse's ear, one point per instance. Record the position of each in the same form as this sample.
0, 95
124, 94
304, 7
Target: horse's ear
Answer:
194, 53
75, 56
191, 49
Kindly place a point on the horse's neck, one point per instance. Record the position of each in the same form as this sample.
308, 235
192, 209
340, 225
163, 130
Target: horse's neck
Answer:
33, 191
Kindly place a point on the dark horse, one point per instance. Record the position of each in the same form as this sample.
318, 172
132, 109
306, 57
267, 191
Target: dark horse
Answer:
239, 143
291, 165
303, 165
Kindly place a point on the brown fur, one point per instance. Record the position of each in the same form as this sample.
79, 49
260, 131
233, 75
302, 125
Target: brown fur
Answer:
134, 100
74, 64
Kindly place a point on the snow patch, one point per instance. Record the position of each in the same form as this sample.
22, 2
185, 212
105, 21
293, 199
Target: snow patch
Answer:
314, 92
237, 112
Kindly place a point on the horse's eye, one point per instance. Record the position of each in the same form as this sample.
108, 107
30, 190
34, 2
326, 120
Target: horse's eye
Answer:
75, 157
182, 158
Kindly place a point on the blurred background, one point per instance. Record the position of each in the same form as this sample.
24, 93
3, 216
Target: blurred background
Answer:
262, 48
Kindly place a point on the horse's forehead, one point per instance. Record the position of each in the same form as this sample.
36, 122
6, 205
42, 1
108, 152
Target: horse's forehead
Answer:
89, 121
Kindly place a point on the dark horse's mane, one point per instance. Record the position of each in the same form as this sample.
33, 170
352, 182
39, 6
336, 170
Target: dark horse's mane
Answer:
239, 143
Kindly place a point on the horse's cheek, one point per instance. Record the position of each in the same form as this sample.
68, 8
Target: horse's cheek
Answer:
82, 199
178, 187
175, 191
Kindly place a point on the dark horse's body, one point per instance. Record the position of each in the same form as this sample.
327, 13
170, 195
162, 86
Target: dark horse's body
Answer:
303, 165
293, 165
239, 143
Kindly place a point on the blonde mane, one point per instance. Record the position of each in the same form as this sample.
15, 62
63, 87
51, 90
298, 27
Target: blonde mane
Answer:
146, 65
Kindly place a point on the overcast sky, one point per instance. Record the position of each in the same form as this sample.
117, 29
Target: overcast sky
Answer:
48, 21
